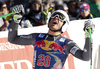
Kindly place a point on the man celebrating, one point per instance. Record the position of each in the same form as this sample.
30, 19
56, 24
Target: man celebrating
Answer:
50, 49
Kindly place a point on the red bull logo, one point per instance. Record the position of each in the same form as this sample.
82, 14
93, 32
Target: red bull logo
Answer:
49, 45
56, 47
40, 44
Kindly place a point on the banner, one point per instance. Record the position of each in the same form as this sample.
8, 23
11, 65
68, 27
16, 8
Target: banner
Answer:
15, 56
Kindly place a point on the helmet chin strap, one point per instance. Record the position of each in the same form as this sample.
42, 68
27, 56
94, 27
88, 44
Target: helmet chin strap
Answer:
55, 30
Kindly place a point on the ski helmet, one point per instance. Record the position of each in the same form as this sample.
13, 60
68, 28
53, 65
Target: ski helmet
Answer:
62, 16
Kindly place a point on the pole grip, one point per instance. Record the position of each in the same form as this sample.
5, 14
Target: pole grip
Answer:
90, 34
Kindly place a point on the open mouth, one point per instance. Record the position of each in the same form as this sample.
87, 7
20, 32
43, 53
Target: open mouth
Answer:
54, 22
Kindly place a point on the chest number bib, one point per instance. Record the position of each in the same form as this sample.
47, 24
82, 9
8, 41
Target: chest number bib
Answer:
43, 60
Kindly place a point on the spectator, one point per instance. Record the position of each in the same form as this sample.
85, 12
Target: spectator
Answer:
49, 10
84, 12
95, 7
3, 8
35, 16
47, 5
7, 2
59, 7
65, 7
3, 22
73, 8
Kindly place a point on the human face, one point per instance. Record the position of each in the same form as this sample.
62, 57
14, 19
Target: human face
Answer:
55, 23
84, 12
36, 6
4, 7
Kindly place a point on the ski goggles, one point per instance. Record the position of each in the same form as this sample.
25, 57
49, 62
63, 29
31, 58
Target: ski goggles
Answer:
60, 16
84, 9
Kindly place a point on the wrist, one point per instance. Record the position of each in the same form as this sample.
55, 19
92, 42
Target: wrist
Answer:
17, 18
87, 35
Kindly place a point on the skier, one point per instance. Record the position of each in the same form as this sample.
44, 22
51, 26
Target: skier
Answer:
51, 49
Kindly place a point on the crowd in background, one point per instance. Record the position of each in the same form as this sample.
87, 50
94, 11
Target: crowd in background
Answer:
37, 12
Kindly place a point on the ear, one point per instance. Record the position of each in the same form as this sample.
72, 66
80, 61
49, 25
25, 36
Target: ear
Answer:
65, 26
64, 22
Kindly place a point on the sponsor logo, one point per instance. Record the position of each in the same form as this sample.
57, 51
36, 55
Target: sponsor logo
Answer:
9, 46
12, 64
41, 35
49, 45
74, 49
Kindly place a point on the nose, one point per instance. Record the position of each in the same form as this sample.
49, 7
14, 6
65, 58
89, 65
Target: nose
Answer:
56, 17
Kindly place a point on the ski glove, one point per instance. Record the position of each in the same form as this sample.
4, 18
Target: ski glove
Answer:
19, 10
88, 25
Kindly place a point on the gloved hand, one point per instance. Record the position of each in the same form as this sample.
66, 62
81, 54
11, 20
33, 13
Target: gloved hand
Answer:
88, 25
19, 10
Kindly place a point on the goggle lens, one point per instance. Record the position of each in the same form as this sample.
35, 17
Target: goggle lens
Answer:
60, 16
84, 9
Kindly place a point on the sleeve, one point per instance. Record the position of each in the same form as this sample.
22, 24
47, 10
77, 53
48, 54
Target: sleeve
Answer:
72, 47
14, 38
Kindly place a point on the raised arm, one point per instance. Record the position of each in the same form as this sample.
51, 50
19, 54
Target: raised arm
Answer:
73, 48
13, 36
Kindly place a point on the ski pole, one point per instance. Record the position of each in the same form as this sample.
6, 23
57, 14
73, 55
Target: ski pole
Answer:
8, 14
91, 47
